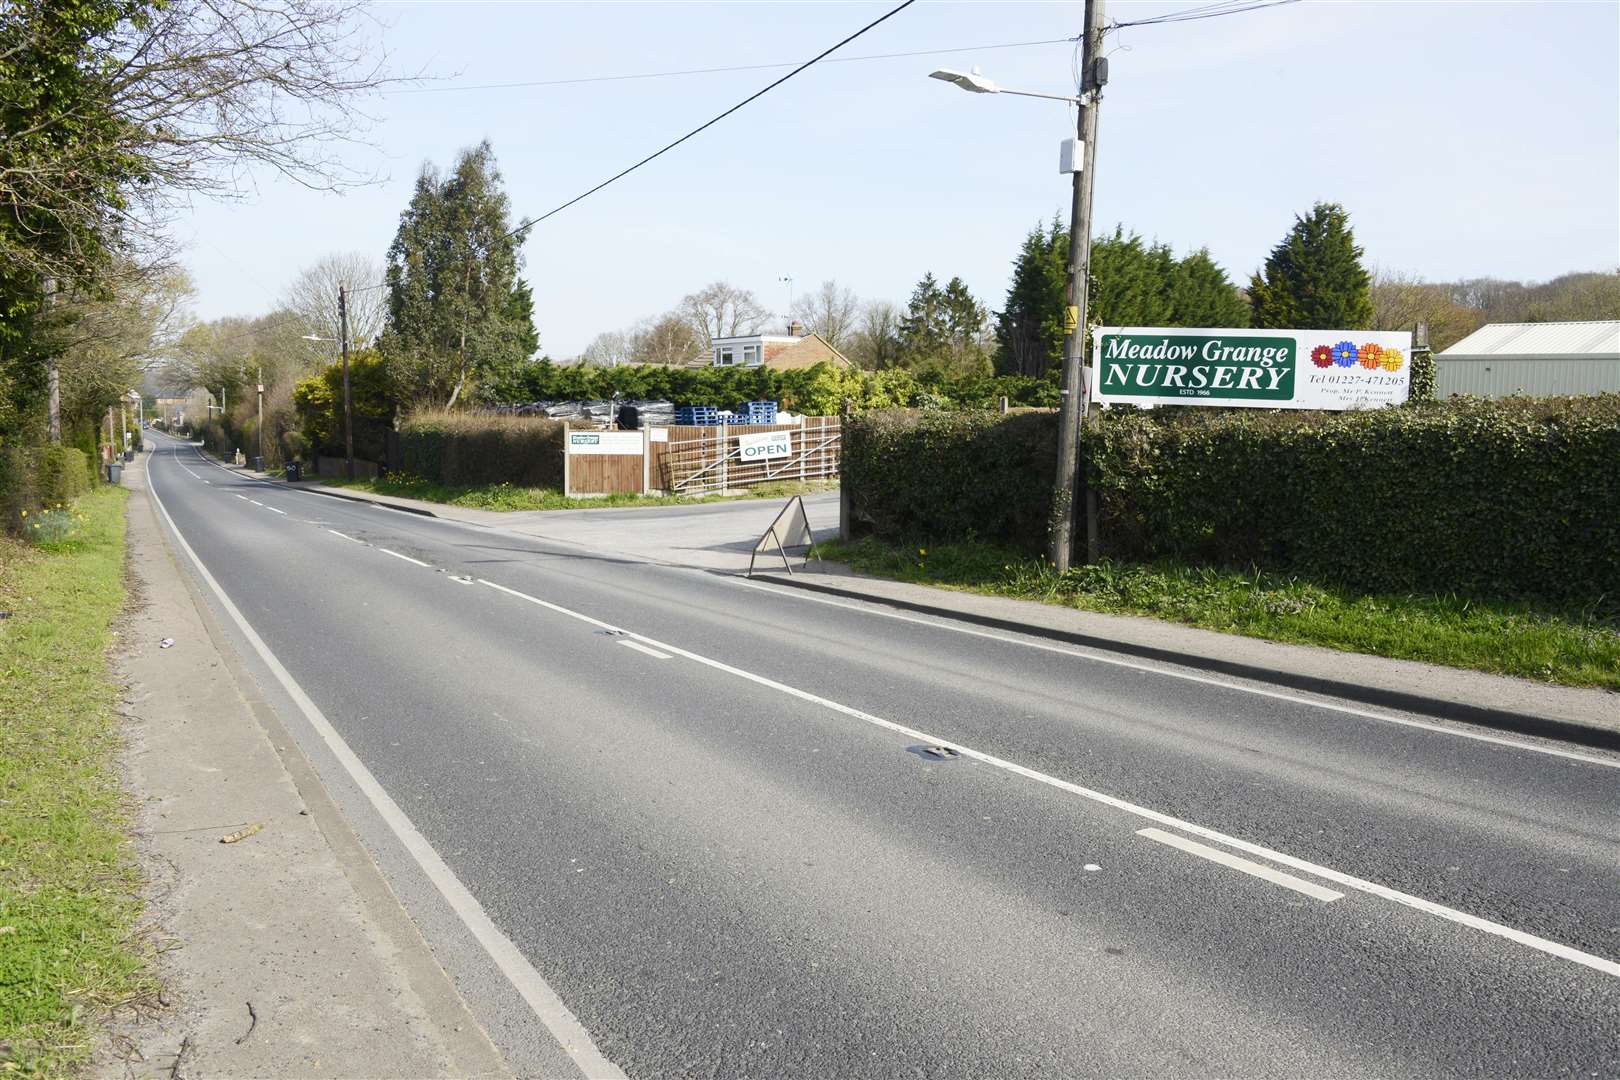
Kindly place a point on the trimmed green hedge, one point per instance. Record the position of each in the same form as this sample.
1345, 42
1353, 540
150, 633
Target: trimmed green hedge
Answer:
33, 478
471, 450
1515, 498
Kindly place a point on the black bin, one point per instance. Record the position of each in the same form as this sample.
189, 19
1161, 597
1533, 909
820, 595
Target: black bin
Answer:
294, 473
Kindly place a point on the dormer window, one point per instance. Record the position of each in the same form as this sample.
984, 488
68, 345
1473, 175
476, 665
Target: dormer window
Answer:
725, 356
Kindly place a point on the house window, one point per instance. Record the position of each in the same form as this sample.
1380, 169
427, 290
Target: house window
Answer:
725, 357
751, 355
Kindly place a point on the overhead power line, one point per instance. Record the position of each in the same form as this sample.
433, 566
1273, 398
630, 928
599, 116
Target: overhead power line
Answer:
721, 70
885, 17
1203, 11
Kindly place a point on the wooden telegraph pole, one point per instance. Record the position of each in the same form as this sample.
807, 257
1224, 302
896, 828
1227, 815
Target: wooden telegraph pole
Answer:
1076, 396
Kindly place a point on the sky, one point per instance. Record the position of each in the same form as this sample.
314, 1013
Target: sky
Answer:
1466, 139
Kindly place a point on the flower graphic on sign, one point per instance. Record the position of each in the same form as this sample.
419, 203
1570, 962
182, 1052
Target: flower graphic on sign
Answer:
1369, 354
1322, 356
1344, 354
1391, 360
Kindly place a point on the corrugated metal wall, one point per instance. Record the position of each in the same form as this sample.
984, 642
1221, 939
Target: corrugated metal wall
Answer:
1537, 377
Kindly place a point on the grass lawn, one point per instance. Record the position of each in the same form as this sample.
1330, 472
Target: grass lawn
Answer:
508, 497
1572, 647
68, 881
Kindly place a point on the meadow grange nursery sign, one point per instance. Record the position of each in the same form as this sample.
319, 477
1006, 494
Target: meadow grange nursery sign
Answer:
1254, 369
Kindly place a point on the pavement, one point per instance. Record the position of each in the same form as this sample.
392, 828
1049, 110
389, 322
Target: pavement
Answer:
721, 537
284, 953
653, 820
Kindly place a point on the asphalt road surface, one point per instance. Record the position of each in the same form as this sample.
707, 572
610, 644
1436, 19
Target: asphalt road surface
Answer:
691, 826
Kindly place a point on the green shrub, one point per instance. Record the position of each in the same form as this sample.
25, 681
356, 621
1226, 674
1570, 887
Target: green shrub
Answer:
1517, 498
958, 475
18, 491
62, 474
469, 449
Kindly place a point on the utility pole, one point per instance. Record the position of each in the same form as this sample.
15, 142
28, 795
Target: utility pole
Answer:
1076, 397
53, 377
260, 384
348, 408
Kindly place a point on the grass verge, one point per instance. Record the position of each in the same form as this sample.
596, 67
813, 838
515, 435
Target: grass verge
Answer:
68, 882
1575, 648
509, 497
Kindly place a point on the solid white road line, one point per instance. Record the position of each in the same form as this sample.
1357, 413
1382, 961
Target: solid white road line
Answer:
1226, 858
1551, 948
407, 558
541, 998
347, 537
1063, 650
639, 647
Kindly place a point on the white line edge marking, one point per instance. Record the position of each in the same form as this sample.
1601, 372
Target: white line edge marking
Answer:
407, 558
529, 983
347, 537
1226, 858
640, 648
1063, 650
1429, 907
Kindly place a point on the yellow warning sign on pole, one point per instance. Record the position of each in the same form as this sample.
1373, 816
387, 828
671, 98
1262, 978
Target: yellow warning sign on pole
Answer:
1071, 318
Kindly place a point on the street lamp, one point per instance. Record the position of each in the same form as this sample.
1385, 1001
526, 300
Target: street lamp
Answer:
975, 83
1078, 158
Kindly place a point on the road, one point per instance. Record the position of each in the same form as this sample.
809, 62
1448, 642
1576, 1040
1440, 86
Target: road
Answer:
704, 813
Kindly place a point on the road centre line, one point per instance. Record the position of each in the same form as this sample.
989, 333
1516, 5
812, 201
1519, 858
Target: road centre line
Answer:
349, 538
1276, 695
639, 647
1226, 858
1062, 650
273, 510
255, 502
244, 498
397, 555
563, 1025
1463, 918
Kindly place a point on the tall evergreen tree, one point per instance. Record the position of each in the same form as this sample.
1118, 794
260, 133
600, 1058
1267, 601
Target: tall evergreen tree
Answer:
965, 320
1130, 281
1201, 294
456, 307
923, 331
1314, 279
1029, 327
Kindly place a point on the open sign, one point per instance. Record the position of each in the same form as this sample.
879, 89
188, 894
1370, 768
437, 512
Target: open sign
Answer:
765, 445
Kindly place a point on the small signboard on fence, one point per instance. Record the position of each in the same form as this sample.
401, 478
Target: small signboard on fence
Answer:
604, 442
764, 445
1254, 369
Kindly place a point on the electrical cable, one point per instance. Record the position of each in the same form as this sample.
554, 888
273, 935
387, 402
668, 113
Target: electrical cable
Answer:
720, 70
1205, 11
885, 17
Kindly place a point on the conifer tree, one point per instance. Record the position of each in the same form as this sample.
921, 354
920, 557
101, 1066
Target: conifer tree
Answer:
1201, 295
1029, 327
1314, 279
456, 307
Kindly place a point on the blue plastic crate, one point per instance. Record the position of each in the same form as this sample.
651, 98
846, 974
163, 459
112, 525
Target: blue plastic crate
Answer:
697, 415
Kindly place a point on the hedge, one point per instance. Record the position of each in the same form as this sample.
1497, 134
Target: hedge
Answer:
470, 449
32, 478
1513, 498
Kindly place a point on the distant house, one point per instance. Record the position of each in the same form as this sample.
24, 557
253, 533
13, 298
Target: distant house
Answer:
1537, 359
779, 352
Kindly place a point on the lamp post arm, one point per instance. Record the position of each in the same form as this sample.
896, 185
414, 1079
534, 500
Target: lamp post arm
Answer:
1049, 97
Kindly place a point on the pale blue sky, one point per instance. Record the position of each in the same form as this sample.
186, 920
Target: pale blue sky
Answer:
1465, 139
